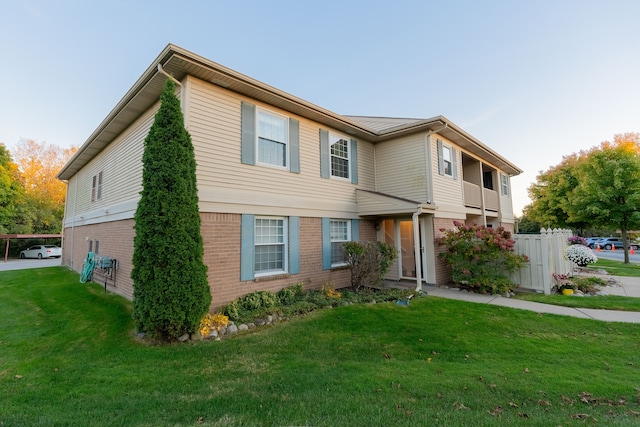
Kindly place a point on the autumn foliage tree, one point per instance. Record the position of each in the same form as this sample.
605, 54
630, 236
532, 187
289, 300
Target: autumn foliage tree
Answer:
599, 187
10, 191
171, 293
42, 206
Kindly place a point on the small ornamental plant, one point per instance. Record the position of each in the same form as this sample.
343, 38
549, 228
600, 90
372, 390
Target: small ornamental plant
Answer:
563, 281
481, 258
577, 240
580, 255
212, 322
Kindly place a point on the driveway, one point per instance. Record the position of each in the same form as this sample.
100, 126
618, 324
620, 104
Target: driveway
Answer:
22, 264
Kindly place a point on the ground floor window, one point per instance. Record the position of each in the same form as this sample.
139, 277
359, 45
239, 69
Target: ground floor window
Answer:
270, 245
340, 233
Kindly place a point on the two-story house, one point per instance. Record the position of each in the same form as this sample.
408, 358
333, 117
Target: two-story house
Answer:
282, 183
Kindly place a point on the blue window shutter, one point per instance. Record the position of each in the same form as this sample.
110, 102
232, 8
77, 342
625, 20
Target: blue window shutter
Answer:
247, 248
325, 158
454, 163
294, 244
354, 161
440, 158
326, 243
294, 145
355, 230
248, 138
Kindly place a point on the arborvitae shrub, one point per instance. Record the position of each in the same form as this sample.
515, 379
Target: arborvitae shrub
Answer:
171, 293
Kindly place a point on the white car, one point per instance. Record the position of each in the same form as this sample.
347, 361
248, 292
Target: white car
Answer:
42, 251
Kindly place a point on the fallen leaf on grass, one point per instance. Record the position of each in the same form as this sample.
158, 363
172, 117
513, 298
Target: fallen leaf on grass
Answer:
544, 403
513, 405
18, 377
523, 416
568, 400
387, 356
460, 406
492, 386
580, 416
630, 412
496, 411
526, 370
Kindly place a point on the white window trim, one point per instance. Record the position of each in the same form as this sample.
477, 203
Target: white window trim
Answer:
348, 221
285, 244
337, 137
504, 185
448, 149
286, 142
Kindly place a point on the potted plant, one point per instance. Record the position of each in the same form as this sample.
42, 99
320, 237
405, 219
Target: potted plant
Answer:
580, 255
577, 240
564, 283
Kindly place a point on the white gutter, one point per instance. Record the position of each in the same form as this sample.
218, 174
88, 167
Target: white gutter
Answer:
162, 71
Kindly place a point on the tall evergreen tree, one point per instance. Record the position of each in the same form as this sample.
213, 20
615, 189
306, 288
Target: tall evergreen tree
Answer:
171, 293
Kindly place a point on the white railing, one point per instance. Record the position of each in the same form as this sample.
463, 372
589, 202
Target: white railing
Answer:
546, 256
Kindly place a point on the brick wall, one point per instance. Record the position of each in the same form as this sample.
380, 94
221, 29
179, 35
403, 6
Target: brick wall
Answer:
221, 235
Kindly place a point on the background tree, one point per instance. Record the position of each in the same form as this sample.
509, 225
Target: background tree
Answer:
42, 207
595, 188
608, 193
10, 191
171, 293
552, 207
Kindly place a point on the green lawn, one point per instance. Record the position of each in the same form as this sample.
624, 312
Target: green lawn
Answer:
617, 268
68, 357
608, 302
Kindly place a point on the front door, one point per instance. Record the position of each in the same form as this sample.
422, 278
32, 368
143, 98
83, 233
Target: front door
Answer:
407, 250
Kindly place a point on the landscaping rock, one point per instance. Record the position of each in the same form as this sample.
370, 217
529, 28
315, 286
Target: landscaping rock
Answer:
213, 334
243, 327
231, 329
251, 325
269, 319
260, 322
183, 338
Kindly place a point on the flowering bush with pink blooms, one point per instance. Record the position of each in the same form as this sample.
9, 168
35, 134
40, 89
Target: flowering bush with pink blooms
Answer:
481, 258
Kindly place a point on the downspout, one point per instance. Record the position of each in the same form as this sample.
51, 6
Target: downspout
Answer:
417, 251
73, 221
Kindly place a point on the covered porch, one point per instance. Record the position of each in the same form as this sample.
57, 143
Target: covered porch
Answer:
406, 225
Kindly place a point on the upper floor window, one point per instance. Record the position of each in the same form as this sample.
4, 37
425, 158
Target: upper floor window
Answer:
447, 160
339, 156
96, 187
273, 139
340, 233
269, 138
504, 184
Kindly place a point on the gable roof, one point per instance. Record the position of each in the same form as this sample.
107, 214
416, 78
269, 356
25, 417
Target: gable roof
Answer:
179, 63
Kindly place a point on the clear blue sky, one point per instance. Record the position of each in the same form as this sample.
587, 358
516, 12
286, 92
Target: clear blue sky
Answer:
534, 80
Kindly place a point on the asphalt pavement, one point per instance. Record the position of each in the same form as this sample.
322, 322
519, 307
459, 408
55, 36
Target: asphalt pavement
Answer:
22, 264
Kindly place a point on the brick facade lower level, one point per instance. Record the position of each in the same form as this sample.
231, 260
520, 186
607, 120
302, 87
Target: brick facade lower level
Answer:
221, 235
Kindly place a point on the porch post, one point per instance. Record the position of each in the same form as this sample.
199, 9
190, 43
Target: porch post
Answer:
416, 248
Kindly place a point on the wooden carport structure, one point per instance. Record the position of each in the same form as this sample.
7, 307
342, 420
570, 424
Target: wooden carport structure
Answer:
8, 237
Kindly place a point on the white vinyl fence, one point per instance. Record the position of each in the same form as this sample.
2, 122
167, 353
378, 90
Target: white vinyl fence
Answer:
546, 256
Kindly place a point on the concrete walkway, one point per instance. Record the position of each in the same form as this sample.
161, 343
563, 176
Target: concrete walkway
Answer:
625, 286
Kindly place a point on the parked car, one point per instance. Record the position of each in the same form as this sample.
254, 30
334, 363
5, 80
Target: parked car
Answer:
611, 242
592, 241
42, 251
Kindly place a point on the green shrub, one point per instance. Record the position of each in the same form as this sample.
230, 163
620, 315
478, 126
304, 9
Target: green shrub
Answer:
368, 262
290, 294
588, 285
481, 258
170, 289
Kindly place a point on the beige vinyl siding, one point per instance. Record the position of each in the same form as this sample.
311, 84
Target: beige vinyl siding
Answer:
447, 192
401, 168
227, 186
121, 166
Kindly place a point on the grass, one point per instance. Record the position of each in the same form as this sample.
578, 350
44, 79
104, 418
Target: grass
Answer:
68, 357
608, 302
617, 268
